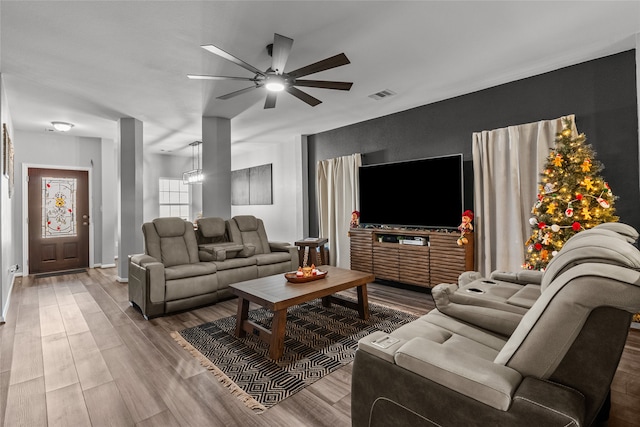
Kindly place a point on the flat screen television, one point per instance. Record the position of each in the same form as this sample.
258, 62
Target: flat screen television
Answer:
424, 193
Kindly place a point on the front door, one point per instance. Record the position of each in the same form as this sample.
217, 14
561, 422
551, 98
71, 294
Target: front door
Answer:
58, 220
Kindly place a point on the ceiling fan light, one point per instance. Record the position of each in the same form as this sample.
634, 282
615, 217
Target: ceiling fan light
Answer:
62, 126
275, 84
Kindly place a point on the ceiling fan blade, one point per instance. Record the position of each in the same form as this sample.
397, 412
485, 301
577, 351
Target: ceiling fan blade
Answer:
325, 64
270, 102
238, 92
324, 84
216, 50
303, 96
205, 77
280, 52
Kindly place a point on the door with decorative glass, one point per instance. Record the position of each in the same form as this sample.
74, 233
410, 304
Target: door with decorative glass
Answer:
58, 220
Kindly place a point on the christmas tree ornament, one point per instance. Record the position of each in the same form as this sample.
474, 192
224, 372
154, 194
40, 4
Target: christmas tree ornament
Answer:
555, 228
569, 212
557, 161
605, 204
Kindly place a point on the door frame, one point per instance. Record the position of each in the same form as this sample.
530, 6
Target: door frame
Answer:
25, 209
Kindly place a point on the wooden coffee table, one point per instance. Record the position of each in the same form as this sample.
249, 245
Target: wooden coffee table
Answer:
277, 294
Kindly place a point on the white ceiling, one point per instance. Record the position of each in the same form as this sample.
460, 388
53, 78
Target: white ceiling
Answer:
93, 62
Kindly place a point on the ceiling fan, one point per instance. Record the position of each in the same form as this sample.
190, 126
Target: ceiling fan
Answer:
274, 79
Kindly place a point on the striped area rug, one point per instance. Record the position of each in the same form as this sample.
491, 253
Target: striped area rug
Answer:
318, 341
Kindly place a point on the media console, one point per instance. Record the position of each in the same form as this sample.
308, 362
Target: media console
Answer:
415, 257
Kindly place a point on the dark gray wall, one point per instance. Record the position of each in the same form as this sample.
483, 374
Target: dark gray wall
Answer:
601, 93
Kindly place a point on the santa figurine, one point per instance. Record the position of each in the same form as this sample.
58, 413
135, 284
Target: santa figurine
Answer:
355, 221
465, 227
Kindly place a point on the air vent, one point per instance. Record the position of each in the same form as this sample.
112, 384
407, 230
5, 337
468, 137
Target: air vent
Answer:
382, 94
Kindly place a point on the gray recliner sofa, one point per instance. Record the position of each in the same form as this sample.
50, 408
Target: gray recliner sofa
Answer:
556, 368
183, 268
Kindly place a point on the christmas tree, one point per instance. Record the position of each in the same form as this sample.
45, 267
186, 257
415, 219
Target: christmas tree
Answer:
572, 196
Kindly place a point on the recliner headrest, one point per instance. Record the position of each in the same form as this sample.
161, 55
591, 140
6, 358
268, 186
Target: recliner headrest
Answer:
625, 230
170, 227
246, 222
211, 226
591, 248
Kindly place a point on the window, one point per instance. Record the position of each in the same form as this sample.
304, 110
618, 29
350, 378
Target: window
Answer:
174, 198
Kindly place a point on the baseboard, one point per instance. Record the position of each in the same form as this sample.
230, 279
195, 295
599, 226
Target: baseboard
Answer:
5, 310
122, 280
107, 265
635, 325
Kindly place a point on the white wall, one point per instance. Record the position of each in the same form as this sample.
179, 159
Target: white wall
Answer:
6, 236
284, 220
57, 150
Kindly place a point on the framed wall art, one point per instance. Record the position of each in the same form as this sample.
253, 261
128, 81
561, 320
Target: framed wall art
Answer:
7, 157
252, 186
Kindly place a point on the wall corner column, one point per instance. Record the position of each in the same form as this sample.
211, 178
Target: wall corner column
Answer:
216, 167
130, 164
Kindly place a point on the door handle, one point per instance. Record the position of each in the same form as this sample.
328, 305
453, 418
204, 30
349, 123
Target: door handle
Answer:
85, 216
85, 223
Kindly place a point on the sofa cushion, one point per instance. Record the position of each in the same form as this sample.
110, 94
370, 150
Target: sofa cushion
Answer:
230, 264
174, 251
170, 227
212, 227
273, 258
189, 270
246, 222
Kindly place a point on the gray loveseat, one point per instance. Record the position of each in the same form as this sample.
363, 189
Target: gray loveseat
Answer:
184, 268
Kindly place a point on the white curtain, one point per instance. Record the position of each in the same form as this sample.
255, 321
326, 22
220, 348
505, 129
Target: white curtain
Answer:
337, 190
507, 164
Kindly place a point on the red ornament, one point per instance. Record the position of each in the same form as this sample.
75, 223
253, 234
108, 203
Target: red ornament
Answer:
541, 225
579, 196
538, 246
576, 226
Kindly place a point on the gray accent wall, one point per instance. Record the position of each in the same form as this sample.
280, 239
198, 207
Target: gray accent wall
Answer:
602, 93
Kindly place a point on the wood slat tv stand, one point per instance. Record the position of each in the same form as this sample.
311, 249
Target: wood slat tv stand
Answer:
440, 260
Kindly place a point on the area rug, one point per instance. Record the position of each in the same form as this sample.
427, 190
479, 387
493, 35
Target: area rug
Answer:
318, 341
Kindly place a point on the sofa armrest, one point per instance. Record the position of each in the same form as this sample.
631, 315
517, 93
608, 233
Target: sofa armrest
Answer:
523, 277
147, 273
142, 259
286, 247
465, 373
467, 277
281, 247
536, 396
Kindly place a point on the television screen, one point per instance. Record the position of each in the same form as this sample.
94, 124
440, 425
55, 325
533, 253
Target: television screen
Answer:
424, 193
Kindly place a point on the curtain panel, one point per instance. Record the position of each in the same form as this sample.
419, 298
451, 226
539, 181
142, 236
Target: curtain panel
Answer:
337, 188
507, 164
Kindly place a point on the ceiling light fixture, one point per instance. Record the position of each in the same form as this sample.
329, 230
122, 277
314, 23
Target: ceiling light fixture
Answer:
194, 176
62, 126
275, 83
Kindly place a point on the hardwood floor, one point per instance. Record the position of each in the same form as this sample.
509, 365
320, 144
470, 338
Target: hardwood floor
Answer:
73, 352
